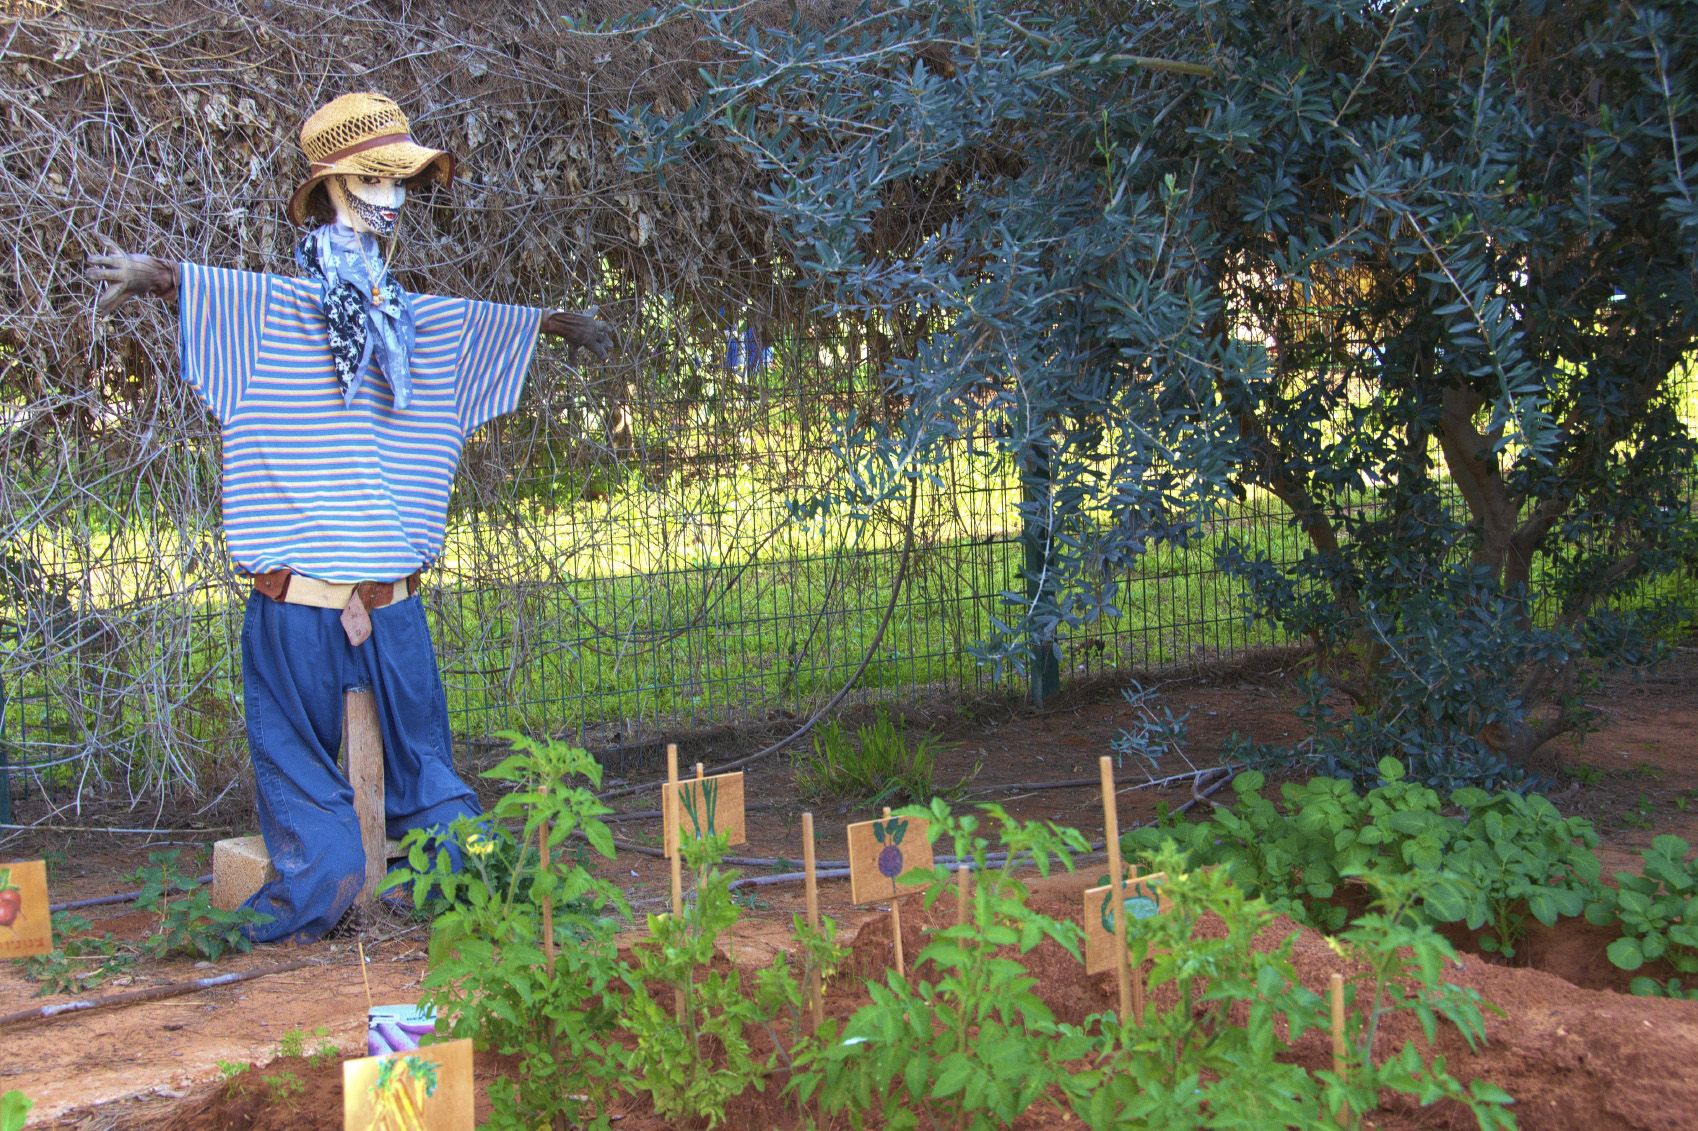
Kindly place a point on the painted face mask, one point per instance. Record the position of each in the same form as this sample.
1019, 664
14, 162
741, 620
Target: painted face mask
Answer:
368, 204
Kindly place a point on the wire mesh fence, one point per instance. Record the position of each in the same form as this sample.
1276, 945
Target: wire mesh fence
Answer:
624, 554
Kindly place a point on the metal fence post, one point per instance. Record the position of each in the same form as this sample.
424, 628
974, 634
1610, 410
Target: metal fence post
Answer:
1036, 485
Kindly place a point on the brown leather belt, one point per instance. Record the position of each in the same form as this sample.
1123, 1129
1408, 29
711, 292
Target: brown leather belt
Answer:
356, 599
298, 589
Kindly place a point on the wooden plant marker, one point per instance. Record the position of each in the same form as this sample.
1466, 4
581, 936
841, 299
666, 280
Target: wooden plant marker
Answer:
26, 923
362, 740
1111, 836
879, 851
1141, 898
963, 892
706, 805
810, 883
1340, 1065
428, 1089
669, 820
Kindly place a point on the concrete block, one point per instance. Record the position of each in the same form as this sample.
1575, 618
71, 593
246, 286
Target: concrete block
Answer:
240, 867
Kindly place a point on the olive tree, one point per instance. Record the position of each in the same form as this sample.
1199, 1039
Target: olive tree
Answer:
1424, 273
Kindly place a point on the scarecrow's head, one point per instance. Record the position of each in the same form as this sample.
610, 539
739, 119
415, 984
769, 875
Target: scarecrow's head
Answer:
363, 161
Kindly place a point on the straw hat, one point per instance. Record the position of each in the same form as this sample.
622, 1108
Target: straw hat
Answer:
364, 134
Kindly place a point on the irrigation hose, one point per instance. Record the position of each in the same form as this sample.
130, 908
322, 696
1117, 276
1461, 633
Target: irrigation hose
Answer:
153, 993
848, 686
838, 869
121, 897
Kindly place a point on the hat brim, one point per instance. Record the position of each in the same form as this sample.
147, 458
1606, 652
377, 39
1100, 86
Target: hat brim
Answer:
402, 160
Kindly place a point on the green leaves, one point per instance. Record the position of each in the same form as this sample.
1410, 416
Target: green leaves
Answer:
1657, 914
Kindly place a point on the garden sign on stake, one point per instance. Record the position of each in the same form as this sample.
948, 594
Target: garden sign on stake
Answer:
26, 924
1142, 899
705, 806
428, 1089
879, 851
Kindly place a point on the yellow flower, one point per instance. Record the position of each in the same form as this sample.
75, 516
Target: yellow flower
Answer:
480, 845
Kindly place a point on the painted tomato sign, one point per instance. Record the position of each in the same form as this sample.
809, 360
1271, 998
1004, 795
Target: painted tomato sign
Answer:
1142, 899
26, 925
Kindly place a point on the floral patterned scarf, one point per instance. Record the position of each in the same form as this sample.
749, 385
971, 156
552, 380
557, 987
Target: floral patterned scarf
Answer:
365, 313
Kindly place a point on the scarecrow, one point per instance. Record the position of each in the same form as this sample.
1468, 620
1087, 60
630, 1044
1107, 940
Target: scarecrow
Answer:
344, 403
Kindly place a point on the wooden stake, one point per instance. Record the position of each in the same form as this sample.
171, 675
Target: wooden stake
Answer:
1138, 974
1111, 833
677, 858
962, 872
363, 740
896, 918
816, 992
364, 977
1340, 1065
544, 864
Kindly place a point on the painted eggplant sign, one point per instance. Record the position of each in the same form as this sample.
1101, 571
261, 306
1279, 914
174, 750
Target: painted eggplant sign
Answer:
881, 850
26, 924
706, 806
1143, 899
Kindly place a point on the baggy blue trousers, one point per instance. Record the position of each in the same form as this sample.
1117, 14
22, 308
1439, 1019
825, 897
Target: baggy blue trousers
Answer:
297, 665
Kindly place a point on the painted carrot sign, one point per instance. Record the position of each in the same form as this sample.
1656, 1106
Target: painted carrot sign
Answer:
429, 1089
26, 925
1142, 899
879, 851
706, 805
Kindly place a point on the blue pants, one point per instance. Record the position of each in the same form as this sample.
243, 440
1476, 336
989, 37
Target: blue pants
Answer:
296, 666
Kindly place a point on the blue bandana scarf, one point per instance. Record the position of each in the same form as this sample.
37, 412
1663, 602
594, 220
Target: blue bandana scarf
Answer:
365, 315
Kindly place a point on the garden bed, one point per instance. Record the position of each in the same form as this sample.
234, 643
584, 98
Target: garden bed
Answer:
1572, 1057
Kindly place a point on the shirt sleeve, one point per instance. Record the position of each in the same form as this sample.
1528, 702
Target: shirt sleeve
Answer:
220, 315
495, 353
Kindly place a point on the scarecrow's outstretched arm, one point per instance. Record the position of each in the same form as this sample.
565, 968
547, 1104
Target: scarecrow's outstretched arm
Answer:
576, 329
125, 274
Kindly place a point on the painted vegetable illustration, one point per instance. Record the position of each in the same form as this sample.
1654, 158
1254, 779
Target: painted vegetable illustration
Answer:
709, 791
1143, 903
403, 1085
890, 833
11, 899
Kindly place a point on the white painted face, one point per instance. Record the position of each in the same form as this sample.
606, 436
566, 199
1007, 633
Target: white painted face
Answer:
367, 203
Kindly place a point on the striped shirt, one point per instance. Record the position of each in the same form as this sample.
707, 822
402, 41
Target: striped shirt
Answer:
336, 491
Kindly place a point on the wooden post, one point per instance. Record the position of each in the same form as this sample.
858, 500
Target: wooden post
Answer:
545, 864
896, 917
962, 872
677, 858
362, 742
1340, 1065
816, 992
1111, 832
1138, 974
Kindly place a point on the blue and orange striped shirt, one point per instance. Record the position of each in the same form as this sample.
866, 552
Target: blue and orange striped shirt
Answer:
340, 492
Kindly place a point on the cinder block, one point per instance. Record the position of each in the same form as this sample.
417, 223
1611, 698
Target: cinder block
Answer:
240, 867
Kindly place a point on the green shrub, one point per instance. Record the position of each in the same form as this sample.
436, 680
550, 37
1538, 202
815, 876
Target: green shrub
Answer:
1657, 912
881, 765
188, 922
695, 1061
1489, 860
1151, 1075
491, 977
963, 1041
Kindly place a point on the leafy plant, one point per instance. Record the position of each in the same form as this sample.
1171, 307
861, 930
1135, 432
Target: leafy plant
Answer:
79, 962
522, 957
1657, 911
692, 1054
1490, 860
285, 1087
230, 1074
14, 1110
963, 1041
881, 765
1231, 1000
188, 922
